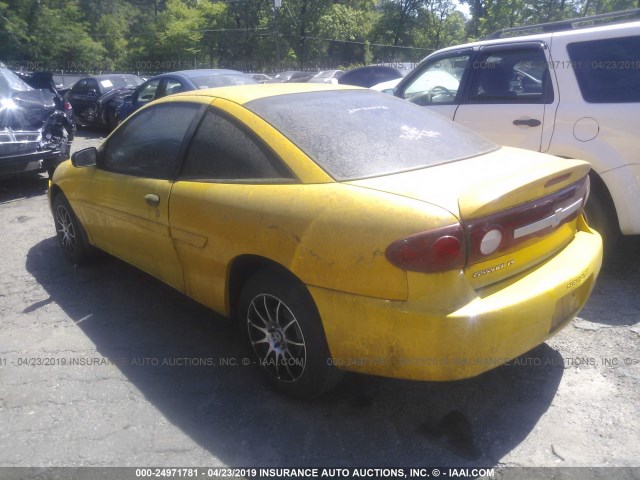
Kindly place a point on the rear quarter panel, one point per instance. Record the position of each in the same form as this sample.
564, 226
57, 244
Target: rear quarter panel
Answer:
328, 235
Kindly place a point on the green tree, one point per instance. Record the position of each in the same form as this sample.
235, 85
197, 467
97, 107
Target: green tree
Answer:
300, 23
60, 38
212, 21
14, 35
345, 30
109, 21
399, 21
247, 25
180, 35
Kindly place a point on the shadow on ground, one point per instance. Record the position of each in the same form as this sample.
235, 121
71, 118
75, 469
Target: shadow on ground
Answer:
229, 411
22, 187
615, 300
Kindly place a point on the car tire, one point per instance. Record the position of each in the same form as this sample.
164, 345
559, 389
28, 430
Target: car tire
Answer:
76, 122
602, 218
284, 331
71, 131
70, 234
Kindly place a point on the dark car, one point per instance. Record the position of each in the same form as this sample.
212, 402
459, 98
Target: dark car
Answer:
176, 82
292, 76
369, 76
34, 133
95, 99
46, 81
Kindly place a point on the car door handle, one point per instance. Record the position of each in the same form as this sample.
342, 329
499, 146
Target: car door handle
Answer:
532, 122
152, 200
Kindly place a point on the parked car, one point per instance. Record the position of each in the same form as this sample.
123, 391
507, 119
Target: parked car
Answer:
35, 135
291, 76
45, 81
386, 87
176, 82
64, 81
369, 76
260, 77
95, 99
559, 88
327, 76
343, 228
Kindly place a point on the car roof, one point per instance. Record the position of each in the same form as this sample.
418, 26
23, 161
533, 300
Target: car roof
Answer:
206, 72
189, 74
589, 33
246, 93
106, 76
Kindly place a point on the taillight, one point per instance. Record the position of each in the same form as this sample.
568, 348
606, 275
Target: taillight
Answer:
505, 230
431, 251
452, 247
491, 240
67, 105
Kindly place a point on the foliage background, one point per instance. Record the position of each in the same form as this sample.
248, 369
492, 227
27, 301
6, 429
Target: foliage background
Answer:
252, 35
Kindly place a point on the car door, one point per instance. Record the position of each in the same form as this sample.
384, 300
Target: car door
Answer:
130, 189
83, 98
510, 95
228, 177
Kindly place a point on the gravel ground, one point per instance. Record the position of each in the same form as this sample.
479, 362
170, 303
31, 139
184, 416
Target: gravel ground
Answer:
127, 372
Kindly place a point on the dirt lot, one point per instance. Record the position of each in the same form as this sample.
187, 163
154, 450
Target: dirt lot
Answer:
104, 366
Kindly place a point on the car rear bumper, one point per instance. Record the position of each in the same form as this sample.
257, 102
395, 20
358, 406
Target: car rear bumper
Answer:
413, 340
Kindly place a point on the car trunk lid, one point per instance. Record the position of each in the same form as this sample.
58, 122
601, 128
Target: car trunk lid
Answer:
511, 220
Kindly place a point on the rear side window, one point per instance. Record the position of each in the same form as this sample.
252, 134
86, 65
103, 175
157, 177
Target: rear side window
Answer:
608, 71
222, 151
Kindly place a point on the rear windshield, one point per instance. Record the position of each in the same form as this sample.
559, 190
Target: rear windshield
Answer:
355, 134
210, 81
9, 82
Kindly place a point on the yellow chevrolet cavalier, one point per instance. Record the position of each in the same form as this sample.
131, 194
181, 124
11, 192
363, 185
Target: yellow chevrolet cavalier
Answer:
344, 229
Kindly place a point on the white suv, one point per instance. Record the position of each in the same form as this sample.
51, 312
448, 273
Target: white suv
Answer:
568, 90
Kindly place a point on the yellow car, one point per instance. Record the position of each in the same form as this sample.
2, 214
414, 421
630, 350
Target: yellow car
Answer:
345, 229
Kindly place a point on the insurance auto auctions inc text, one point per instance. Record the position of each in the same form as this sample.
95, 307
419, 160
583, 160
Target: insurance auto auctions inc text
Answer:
376, 472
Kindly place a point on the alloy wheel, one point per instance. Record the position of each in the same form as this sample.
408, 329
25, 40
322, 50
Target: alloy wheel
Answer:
276, 338
66, 230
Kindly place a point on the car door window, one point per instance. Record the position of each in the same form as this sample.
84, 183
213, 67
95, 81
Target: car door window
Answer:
511, 76
92, 87
148, 92
223, 151
173, 86
150, 143
81, 87
439, 82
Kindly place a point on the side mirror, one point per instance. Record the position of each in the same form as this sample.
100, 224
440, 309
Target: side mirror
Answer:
92, 91
87, 157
